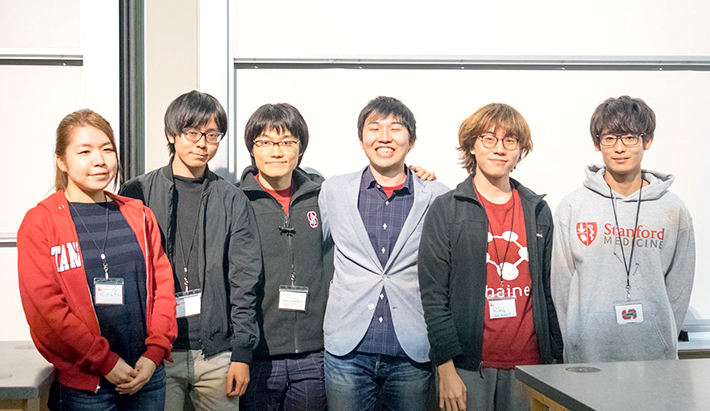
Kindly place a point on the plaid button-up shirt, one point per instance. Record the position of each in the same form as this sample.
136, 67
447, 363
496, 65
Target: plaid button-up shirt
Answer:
383, 218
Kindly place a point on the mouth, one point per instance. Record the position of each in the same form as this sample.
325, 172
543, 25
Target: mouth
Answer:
99, 175
384, 151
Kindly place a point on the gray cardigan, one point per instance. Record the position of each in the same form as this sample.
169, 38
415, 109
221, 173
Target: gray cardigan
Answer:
359, 276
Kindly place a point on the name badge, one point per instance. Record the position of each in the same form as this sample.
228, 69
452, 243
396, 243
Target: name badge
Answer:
502, 307
293, 298
188, 303
629, 312
108, 291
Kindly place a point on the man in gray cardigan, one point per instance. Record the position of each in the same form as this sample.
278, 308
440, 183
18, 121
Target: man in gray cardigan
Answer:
375, 335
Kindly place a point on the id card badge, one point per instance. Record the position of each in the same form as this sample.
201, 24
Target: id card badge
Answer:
188, 303
502, 307
108, 291
293, 298
628, 312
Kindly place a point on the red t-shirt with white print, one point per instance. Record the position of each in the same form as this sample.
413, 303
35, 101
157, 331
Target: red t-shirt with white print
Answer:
511, 341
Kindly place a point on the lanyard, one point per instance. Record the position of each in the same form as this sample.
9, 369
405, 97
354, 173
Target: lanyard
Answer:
186, 257
102, 250
627, 265
500, 263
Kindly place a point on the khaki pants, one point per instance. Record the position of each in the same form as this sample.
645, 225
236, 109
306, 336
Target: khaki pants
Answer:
205, 381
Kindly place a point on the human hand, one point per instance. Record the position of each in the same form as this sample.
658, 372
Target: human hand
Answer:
144, 371
237, 378
452, 391
423, 174
121, 373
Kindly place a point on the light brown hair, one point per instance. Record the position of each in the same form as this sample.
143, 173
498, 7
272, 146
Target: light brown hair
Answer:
496, 116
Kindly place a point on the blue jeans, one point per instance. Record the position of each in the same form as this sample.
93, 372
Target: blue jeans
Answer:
355, 382
291, 382
150, 397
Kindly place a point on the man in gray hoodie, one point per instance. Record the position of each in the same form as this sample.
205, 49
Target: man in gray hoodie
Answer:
623, 256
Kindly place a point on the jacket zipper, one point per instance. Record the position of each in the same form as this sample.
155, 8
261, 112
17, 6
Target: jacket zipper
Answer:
289, 239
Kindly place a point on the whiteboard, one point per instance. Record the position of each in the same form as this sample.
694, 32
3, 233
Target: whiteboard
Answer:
557, 105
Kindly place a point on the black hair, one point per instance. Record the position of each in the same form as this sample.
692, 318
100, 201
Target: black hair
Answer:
281, 117
383, 107
193, 110
622, 115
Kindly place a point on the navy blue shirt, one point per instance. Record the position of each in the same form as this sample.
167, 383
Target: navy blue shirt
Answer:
124, 326
383, 218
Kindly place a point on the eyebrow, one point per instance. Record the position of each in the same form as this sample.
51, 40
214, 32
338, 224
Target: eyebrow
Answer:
378, 122
285, 136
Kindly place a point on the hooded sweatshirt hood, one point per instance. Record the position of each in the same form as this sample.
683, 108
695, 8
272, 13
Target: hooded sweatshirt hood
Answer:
658, 184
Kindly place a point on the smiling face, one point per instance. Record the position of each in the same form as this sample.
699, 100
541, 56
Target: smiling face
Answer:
624, 162
90, 163
275, 162
191, 158
497, 162
386, 142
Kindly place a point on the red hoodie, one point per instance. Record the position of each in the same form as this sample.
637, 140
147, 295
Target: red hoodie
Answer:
57, 300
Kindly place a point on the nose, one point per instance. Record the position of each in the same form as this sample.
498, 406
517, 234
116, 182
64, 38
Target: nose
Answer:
202, 140
619, 146
499, 147
276, 150
98, 158
384, 136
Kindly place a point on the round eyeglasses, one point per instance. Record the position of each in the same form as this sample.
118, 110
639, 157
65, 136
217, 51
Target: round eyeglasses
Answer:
490, 141
628, 140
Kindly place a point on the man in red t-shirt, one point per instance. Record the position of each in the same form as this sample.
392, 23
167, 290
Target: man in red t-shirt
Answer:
484, 270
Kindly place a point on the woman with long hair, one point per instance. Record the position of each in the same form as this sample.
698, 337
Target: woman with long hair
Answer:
96, 286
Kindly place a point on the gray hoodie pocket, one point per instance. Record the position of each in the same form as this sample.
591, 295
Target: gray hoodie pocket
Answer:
602, 340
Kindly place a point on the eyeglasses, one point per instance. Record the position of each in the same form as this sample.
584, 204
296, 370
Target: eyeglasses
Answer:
212, 137
629, 140
267, 144
490, 141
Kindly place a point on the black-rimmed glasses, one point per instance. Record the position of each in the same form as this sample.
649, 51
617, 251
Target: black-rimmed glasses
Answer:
629, 140
212, 137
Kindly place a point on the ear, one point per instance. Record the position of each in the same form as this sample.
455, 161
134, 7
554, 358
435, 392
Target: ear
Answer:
597, 147
411, 145
647, 144
171, 139
61, 165
362, 146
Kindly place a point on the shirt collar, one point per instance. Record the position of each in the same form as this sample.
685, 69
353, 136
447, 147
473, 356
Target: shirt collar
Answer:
368, 181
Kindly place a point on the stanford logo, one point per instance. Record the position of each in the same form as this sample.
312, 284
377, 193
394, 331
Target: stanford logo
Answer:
312, 219
587, 232
629, 314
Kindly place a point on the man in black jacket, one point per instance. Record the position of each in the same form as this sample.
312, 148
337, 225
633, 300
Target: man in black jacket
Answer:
484, 270
209, 234
287, 371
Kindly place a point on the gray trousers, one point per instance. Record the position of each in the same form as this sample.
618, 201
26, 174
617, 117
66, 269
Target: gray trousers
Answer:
498, 390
